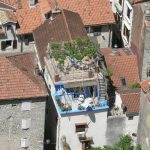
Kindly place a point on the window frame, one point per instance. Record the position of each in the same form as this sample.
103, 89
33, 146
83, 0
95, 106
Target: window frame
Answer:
130, 117
80, 127
126, 33
120, 2
24, 142
121, 80
148, 71
9, 27
128, 13
26, 124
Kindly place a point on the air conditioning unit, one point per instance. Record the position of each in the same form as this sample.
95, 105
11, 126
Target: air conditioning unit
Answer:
81, 134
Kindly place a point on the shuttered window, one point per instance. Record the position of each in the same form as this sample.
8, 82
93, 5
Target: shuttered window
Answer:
26, 123
3, 45
24, 142
15, 44
80, 127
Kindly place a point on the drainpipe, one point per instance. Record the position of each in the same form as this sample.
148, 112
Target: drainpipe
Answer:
58, 133
21, 48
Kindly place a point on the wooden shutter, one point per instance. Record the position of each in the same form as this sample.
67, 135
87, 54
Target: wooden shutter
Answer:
15, 44
3, 45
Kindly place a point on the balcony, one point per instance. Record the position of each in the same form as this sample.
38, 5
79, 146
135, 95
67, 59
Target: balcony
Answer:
74, 103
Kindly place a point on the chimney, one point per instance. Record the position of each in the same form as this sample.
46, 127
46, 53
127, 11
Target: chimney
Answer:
19, 4
37, 71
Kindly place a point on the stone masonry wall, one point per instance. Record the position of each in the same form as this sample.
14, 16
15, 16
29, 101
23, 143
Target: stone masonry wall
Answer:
144, 123
137, 36
11, 116
146, 57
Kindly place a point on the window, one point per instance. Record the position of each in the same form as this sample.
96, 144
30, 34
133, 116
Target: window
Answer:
28, 38
14, 44
24, 142
13, 105
148, 72
89, 29
26, 124
80, 127
97, 29
26, 41
26, 106
128, 12
6, 44
120, 2
130, 118
126, 33
123, 81
3, 45
9, 27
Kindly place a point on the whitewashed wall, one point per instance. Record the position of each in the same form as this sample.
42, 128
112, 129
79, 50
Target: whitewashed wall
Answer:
97, 124
127, 21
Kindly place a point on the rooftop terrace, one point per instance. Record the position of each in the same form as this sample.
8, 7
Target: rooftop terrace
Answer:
73, 62
75, 77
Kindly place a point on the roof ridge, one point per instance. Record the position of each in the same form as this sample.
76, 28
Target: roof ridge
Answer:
68, 31
8, 4
16, 54
130, 93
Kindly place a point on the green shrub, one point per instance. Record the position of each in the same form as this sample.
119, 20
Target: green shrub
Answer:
134, 86
94, 148
109, 72
55, 46
77, 49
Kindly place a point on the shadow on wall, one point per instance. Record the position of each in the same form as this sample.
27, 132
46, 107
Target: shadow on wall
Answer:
115, 128
92, 117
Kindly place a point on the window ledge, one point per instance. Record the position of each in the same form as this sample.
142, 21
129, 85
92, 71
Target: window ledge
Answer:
128, 20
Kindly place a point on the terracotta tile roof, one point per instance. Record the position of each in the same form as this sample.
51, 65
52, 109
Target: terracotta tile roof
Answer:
66, 26
45, 5
6, 6
6, 16
131, 99
10, 2
28, 20
17, 78
144, 84
92, 12
122, 65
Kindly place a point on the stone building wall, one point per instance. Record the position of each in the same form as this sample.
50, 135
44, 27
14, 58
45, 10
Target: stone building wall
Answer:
137, 36
144, 123
11, 132
146, 57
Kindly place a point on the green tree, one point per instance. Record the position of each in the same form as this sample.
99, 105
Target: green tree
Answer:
124, 143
